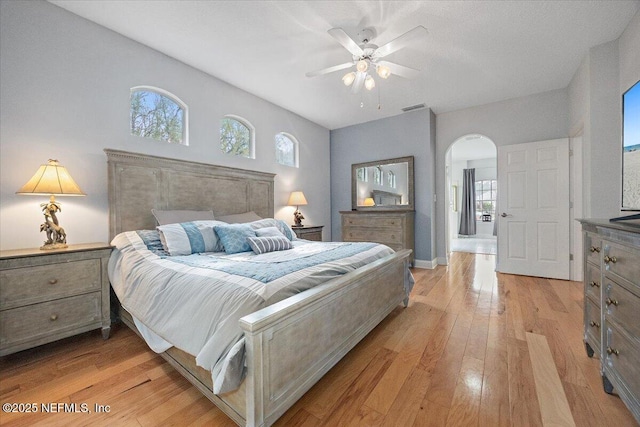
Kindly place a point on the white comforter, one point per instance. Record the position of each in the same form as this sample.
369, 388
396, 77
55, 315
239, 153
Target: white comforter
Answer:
194, 302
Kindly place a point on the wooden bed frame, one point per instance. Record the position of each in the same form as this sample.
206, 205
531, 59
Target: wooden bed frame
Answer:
289, 345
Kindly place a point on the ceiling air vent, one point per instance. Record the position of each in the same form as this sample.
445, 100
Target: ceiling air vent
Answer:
413, 107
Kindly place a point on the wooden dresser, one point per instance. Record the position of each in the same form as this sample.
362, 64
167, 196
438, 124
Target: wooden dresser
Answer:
49, 295
612, 305
394, 228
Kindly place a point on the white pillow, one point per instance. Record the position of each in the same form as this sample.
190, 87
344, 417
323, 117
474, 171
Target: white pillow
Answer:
178, 216
269, 231
191, 237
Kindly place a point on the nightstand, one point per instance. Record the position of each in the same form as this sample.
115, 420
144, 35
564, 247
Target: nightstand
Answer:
54, 294
309, 232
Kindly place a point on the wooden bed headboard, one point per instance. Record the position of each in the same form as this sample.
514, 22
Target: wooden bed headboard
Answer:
140, 182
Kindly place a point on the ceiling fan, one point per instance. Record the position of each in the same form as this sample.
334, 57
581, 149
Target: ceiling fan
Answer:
366, 57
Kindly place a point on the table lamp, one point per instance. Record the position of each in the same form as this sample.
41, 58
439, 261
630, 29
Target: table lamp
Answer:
52, 180
297, 199
369, 201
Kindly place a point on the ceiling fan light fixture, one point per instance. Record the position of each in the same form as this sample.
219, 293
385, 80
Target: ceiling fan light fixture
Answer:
362, 66
348, 78
369, 83
383, 71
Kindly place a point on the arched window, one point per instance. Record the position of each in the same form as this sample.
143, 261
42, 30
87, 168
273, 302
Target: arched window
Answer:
286, 149
157, 114
237, 136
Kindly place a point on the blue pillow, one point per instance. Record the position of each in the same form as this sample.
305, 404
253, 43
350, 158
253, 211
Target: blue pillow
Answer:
261, 245
188, 238
234, 237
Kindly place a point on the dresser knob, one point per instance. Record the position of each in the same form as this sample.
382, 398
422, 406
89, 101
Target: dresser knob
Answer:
53, 317
594, 249
596, 324
594, 283
608, 259
53, 281
613, 351
610, 301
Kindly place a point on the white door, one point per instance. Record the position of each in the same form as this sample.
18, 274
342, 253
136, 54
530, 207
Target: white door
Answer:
533, 209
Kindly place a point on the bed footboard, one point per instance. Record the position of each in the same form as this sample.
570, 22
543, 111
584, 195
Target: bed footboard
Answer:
292, 344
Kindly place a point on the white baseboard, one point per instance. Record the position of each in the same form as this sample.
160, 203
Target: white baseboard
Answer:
429, 265
442, 260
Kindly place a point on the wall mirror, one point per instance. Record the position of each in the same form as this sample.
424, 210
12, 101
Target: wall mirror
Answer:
383, 184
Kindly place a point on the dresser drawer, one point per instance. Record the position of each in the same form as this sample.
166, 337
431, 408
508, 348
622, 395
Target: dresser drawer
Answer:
592, 324
29, 285
621, 357
372, 221
36, 321
592, 282
381, 235
593, 248
623, 262
622, 306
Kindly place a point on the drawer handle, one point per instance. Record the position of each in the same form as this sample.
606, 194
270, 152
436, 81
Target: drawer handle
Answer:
608, 259
53, 281
594, 283
613, 351
53, 317
594, 249
610, 301
593, 323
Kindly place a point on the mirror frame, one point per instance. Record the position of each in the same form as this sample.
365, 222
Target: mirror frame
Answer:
354, 185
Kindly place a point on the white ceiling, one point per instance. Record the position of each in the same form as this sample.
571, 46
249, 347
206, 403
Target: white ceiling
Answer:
476, 52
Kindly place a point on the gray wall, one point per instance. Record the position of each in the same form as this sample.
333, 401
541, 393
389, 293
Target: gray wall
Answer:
408, 134
64, 84
532, 118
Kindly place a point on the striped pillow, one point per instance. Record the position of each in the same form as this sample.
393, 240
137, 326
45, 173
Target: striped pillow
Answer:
191, 237
261, 245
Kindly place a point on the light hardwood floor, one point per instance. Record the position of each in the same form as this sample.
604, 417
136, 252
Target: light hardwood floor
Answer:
473, 348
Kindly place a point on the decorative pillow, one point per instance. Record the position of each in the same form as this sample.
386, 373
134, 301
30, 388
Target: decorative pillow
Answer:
269, 231
234, 237
188, 238
278, 223
178, 216
261, 245
240, 218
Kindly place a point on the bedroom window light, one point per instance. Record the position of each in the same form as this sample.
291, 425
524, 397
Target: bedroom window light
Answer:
158, 114
486, 191
286, 149
237, 137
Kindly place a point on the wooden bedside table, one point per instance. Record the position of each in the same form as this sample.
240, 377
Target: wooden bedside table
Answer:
49, 295
309, 232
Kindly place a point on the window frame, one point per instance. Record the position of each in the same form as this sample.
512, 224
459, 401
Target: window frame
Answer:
296, 149
493, 187
173, 98
252, 135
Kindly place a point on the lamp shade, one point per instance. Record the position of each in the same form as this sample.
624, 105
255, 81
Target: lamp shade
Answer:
297, 199
369, 201
51, 179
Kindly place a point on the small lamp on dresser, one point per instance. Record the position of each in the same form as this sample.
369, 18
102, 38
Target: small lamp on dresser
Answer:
297, 199
52, 180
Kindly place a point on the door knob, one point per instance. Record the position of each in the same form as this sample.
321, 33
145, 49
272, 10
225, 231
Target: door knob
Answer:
504, 215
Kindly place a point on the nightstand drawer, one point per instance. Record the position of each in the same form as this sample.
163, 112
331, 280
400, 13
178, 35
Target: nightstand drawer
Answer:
29, 285
42, 320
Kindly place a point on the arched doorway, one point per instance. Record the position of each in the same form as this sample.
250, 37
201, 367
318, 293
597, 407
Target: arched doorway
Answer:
478, 152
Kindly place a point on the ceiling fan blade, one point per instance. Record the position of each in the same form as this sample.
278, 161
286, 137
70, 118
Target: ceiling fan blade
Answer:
329, 69
400, 70
359, 82
400, 42
346, 41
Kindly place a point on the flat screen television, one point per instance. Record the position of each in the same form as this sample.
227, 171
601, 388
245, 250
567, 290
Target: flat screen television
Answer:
631, 151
